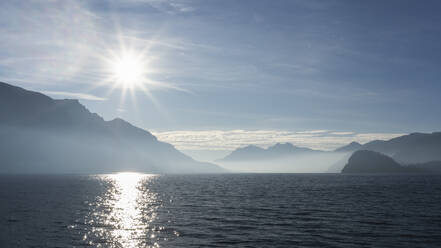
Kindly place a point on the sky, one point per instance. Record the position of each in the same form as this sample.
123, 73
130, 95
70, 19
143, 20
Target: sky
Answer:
223, 74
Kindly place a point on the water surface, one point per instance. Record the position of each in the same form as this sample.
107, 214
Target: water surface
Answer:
239, 210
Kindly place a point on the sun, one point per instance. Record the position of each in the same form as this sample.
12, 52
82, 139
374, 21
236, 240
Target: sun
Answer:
128, 69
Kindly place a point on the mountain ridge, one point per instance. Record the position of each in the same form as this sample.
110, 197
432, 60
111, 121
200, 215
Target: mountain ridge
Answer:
41, 134
413, 148
278, 150
409, 149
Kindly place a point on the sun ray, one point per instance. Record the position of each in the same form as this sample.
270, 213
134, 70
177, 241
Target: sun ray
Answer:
128, 68
122, 98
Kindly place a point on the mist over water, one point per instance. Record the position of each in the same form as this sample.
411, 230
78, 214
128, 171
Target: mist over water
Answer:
191, 123
301, 163
240, 210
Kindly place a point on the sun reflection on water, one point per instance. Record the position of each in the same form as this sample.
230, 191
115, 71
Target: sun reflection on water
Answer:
123, 215
126, 209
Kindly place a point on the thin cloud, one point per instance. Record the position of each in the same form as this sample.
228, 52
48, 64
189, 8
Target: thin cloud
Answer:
313, 132
233, 139
341, 133
169, 7
82, 96
42, 50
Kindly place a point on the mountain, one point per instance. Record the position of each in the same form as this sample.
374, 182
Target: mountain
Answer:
410, 149
353, 146
285, 157
250, 152
279, 158
365, 161
39, 134
277, 151
347, 151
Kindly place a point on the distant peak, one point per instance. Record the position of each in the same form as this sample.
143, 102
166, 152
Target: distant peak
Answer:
353, 146
250, 147
287, 144
282, 146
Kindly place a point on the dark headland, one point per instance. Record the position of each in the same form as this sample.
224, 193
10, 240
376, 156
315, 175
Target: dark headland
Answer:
365, 161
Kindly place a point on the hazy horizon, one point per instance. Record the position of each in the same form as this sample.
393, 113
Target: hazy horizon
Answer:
220, 123
225, 74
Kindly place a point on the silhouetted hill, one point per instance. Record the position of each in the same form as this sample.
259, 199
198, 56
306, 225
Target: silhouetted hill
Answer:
415, 148
277, 151
365, 161
410, 149
43, 135
347, 150
371, 162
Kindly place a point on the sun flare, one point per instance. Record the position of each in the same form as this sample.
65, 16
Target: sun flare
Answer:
128, 69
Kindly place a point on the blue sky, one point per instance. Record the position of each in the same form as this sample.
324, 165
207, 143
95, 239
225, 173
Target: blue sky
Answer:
347, 67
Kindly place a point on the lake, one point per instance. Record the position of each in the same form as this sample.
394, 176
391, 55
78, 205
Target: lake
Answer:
236, 210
